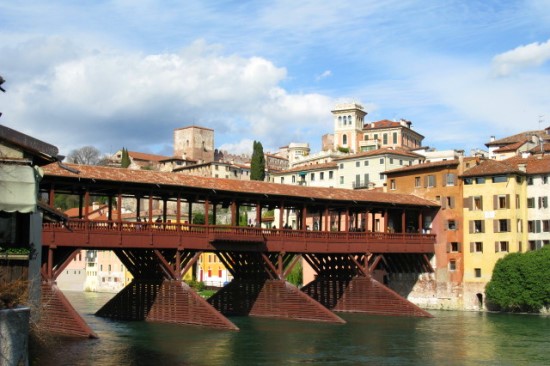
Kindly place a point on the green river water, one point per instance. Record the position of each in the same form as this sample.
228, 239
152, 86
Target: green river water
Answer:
451, 338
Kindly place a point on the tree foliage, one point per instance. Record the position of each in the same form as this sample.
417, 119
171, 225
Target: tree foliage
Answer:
295, 276
521, 282
125, 159
257, 164
87, 155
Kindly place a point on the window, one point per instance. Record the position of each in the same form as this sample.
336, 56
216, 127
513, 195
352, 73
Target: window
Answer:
282, 180
417, 182
480, 180
357, 164
385, 139
376, 136
450, 179
448, 202
500, 179
322, 176
344, 140
392, 184
531, 202
501, 201
477, 226
381, 160
330, 174
400, 161
395, 137
341, 180
546, 226
478, 203
366, 163
545, 180
468, 181
501, 246
293, 179
429, 181
454, 247
382, 177
341, 165
502, 226
451, 225
312, 177
532, 245
477, 272
452, 265
530, 181
543, 202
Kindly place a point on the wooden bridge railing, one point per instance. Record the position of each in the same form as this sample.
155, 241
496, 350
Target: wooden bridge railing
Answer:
160, 233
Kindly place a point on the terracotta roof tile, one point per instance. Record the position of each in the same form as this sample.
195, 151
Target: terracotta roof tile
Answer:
310, 167
511, 147
423, 166
147, 177
147, 157
491, 167
538, 164
527, 135
382, 151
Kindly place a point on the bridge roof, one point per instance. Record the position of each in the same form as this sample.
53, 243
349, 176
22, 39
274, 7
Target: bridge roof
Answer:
127, 178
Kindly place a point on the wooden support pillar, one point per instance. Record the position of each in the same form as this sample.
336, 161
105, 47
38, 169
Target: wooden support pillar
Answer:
258, 214
386, 220
234, 213
164, 209
403, 221
206, 211
138, 206
281, 211
119, 207
339, 221
80, 204
190, 210
214, 212
304, 217
150, 219
346, 220
110, 208
327, 219
420, 222
51, 196
87, 204
178, 210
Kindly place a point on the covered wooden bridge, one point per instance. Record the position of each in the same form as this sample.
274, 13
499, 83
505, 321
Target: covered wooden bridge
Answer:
356, 234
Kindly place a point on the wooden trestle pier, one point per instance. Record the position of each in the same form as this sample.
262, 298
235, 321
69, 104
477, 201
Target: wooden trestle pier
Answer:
358, 233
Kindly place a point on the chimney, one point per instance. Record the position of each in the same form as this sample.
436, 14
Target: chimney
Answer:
522, 167
493, 138
95, 206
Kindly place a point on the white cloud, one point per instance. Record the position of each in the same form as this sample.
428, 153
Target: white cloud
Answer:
108, 98
531, 55
323, 75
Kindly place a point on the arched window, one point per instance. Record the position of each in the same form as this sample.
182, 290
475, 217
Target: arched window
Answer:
344, 140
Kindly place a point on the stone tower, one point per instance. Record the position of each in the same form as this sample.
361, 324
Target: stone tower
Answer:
194, 143
348, 124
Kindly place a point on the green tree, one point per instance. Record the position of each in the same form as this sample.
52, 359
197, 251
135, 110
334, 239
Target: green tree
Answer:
125, 159
257, 164
296, 275
198, 218
521, 282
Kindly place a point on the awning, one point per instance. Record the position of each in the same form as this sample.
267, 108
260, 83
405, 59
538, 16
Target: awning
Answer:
18, 188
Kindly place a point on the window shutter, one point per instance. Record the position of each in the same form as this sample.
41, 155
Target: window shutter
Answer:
444, 180
453, 179
425, 181
452, 202
481, 202
482, 226
495, 226
507, 201
472, 246
448, 247
495, 202
435, 180
443, 202
537, 226
496, 247
472, 226
459, 247
468, 203
508, 225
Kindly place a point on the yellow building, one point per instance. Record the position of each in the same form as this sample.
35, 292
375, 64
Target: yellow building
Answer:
495, 221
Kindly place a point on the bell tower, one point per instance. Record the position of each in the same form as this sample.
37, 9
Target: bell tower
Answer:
348, 125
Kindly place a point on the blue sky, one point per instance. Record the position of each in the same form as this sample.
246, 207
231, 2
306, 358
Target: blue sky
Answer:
128, 72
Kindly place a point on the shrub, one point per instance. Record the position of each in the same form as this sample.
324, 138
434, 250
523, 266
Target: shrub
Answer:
521, 282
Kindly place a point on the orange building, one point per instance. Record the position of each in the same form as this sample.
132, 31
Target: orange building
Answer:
438, 181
